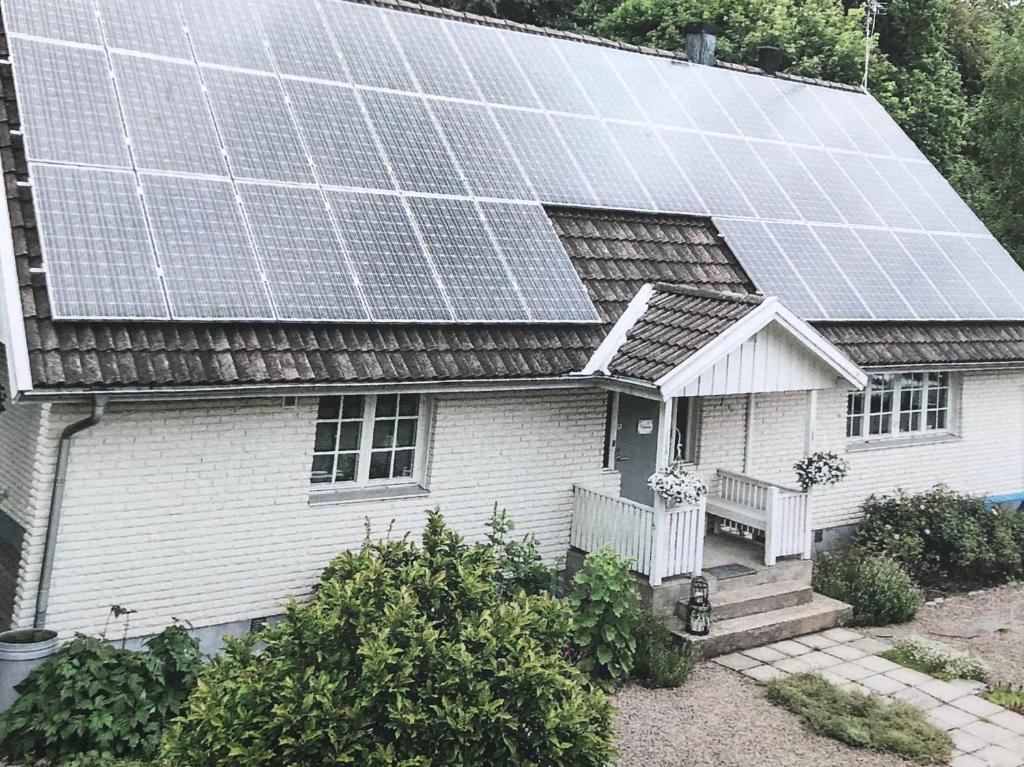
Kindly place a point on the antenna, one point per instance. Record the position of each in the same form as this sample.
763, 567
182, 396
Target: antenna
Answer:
873, 9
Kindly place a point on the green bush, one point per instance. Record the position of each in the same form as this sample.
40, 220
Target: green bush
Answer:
942, 534
606, 601
406, 655
520, 567
877, 588
95, 702
864, 721
936, 659
661, 660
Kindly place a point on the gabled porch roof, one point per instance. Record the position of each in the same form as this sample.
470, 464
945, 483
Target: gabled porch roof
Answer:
682, 341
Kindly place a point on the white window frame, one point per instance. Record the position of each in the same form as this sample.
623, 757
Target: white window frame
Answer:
896, 413
365, 448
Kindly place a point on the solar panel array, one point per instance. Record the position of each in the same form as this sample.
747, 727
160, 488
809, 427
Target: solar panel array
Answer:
329, 160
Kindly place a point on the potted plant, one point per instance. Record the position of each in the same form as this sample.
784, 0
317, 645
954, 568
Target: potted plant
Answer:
677, 485
821, 469
20, 652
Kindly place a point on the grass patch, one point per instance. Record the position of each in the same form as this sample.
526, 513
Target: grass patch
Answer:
1007, 696
936, 659
864, 721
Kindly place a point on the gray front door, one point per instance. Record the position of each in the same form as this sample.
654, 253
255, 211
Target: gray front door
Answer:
636, 446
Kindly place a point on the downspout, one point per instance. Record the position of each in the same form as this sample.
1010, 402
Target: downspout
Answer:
99, 406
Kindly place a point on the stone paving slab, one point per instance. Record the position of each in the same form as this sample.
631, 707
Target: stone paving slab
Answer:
984, 734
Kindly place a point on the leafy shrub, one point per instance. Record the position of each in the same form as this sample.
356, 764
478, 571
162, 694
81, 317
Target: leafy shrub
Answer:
936, 659
94, 701
864, 721
520, 567
943, 534
1007, 696
878, 589
606, 601
660, 660
406, 655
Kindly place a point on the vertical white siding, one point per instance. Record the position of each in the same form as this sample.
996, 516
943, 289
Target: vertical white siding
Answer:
202, 512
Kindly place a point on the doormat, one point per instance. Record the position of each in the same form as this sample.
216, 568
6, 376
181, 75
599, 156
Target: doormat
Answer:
725, 572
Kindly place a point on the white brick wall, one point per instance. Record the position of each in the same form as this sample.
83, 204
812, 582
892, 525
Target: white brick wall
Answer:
987, 459
202, 512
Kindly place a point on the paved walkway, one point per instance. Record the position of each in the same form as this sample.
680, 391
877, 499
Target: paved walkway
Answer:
984, 734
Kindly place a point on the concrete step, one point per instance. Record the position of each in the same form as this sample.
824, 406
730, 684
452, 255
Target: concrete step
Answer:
762, 598
734, 634
784, 570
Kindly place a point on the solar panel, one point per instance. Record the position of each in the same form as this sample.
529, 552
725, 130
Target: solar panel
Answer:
186, 144
210, 269
413, 144
307, 270
256, 127
328, 94
397, 278
768, 266
99, 261
72, 20
337, 135
467, 260
489, 165
151, 27
555, 176
547, 281
72, 115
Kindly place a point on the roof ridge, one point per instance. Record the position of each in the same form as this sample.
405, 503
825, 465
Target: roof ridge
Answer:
515, 26
721, 295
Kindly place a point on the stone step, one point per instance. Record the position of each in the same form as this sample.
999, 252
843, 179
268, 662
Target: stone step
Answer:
735, 634
783, 570
762, 598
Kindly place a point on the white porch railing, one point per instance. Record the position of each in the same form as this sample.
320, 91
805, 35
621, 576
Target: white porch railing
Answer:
781, 513
661, 543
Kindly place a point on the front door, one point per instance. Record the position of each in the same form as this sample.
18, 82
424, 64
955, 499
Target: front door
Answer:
636, 446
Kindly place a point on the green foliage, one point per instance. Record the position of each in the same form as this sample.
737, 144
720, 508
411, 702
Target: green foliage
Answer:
1007, 696
879, 591
100, 703
606, 601
863, 721
661, 660
936, 659
407, 655
519, 562
943, 534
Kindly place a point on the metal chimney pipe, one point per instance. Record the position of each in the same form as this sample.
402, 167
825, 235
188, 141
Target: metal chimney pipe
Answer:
769, 58
701, 38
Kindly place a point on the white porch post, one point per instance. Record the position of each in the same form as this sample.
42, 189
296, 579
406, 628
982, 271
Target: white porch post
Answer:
772, 526
666, 433
810, 446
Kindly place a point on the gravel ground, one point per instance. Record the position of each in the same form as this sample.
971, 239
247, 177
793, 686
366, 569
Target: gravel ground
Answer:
721, 719
957, 617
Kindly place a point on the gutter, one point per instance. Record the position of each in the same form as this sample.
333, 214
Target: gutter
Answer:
99, 406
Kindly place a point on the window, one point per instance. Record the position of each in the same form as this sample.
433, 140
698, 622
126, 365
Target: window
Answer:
366, 439
686, 431
900, 404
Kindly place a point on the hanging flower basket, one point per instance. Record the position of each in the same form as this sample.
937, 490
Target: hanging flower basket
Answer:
676, 485
821, 469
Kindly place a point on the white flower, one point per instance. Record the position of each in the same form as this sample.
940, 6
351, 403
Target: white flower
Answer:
821, 469
676, 485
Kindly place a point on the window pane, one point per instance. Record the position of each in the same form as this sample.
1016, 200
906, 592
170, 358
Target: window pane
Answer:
328, 408
409, 404
407, 432
387, 405
380, 464
403, 463
353, 407
348, 438
383, 433
347, 465
325, 435
940, 419
323, 465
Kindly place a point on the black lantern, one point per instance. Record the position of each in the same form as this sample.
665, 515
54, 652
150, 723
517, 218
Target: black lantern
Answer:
698, 609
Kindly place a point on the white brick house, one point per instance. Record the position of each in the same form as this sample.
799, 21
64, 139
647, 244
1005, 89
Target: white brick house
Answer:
206, 466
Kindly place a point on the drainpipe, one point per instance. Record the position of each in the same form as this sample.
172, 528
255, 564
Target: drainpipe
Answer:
99, 406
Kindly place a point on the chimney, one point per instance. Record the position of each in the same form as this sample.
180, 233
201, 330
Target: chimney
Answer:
769, 58
701, 37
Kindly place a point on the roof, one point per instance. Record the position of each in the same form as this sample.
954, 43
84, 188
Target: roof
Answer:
677, 323
889, 344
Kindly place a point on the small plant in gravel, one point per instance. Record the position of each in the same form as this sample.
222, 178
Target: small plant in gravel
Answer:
1006, 695
606, 603
936, 659
878, 589
864, 721
661, 660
